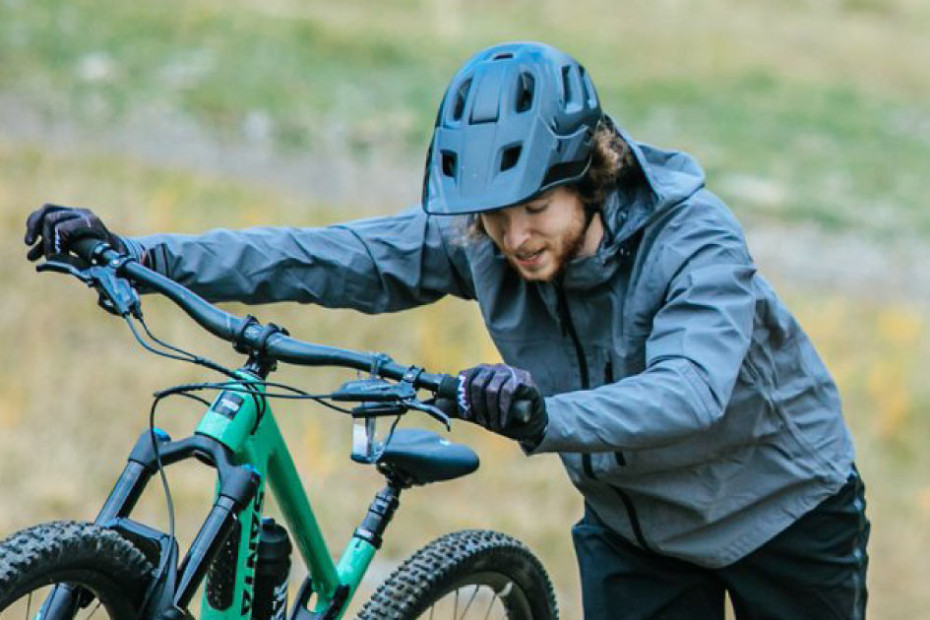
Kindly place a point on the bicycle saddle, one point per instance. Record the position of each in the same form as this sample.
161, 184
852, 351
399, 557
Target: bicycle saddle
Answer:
423, 457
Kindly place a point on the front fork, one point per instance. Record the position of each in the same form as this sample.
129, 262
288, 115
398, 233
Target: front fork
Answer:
240, 488
171, 593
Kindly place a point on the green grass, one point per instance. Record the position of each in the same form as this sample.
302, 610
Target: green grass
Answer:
828, 154
798, 111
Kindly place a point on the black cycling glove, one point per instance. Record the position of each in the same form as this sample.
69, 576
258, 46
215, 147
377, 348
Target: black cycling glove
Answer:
487, 394
56, 228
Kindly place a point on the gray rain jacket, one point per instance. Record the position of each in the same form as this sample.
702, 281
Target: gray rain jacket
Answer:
687, 405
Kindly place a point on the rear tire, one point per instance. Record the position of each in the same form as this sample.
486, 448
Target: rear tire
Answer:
474, 573
108, 569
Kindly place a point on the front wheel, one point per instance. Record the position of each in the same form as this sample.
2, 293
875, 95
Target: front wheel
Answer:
469, 574
104, 573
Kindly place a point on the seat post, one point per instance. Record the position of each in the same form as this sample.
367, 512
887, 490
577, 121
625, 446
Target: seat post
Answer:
379, 514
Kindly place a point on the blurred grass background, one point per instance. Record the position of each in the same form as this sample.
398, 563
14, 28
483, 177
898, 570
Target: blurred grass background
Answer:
811, 119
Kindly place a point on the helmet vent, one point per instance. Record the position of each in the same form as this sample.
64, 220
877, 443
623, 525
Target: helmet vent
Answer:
587, 88
448, 163
515, 120
510, 157
525, 88
460, 96
566, 85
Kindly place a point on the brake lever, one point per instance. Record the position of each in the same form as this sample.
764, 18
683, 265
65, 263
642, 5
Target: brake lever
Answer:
116, 295
60, 266
432, 410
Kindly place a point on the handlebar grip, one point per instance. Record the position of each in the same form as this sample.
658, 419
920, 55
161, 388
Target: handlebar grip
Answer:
85, 247
521, 409
448, 387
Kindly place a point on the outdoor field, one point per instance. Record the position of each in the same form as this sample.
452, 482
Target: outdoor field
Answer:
811, 119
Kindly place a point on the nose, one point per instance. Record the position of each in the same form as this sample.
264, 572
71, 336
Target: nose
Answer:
516, 233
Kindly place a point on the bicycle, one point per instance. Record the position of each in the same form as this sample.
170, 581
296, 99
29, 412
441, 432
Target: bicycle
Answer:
239, 558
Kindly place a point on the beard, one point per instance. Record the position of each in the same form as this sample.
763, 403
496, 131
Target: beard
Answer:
561, 250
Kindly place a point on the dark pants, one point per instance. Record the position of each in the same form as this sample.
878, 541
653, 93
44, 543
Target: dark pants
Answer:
814, 569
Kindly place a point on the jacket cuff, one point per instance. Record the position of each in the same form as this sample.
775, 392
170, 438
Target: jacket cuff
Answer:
529, 446
132, 248
562, 429
552, 439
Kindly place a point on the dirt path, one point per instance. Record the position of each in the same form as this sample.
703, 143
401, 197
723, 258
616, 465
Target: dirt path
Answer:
796, 256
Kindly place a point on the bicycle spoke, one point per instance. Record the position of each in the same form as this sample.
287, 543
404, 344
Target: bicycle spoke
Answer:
458, 604
27, 606
99, 603
470, 601
490, 607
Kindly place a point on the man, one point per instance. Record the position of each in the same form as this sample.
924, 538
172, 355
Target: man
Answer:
686, 403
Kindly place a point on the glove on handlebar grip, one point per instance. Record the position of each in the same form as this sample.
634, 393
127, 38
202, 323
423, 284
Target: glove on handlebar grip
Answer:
85, 246
449, 389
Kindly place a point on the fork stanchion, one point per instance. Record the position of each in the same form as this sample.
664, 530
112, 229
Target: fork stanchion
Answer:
236, 494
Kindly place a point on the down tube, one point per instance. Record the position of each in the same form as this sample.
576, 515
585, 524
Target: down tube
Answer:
302, 523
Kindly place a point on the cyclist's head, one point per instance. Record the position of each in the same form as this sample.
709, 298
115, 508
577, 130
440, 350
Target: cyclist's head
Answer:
517, 120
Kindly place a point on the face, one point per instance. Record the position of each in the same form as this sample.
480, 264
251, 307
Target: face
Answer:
540, 236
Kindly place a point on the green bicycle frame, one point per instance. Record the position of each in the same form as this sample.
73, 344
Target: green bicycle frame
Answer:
238, 435
236, 420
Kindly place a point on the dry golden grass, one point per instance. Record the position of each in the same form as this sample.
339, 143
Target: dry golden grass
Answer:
77, 390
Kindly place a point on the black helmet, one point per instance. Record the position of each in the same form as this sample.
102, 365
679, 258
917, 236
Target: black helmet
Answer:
516, 120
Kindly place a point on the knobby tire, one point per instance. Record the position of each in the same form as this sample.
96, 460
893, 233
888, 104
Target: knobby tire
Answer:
98, 560
445, 578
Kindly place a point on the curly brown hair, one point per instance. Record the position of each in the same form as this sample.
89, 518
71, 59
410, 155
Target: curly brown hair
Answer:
612, 162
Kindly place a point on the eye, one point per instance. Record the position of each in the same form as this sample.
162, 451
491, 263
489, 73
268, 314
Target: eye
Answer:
533, 209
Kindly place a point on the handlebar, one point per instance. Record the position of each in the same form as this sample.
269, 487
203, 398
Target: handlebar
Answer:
248, 334
245, 332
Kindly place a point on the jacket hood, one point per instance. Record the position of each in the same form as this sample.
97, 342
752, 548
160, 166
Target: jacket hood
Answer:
670, 177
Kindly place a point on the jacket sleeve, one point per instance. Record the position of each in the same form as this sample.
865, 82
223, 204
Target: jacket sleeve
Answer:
373, 265
699, 338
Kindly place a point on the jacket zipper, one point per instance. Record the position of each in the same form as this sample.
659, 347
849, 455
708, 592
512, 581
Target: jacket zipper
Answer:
568, 328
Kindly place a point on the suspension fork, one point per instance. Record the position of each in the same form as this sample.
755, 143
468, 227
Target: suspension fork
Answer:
238, 487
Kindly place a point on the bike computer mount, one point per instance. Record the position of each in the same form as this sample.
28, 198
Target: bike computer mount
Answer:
378, 398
